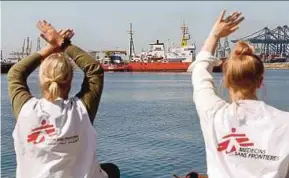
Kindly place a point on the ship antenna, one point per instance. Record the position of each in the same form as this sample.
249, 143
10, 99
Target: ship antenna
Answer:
131, 44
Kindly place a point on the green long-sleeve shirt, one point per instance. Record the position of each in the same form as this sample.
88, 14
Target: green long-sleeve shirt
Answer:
91, 88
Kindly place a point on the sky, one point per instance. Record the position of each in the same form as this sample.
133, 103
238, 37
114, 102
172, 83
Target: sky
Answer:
101, 25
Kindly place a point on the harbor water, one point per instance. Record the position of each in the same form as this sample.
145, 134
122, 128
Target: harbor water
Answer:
146, 123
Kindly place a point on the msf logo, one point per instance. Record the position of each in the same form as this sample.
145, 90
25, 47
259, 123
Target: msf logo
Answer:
233, 141
39, 134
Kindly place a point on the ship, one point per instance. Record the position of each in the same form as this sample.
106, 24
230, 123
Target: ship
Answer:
114, 61
157, 59
111, 60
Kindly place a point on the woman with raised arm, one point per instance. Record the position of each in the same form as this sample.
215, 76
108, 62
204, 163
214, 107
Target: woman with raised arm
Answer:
244, 138
54, 136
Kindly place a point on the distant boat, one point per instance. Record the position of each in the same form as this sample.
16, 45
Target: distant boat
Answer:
111, 60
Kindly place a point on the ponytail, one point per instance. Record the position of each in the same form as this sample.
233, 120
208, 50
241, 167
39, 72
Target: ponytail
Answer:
53, 91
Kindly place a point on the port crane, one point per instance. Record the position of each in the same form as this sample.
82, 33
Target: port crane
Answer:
269, 43
223, 49
26, 51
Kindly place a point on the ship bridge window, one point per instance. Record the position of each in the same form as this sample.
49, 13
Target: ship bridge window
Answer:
189, 49
158, 49
116, 58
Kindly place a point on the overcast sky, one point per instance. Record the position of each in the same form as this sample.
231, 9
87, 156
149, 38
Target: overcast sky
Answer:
104, 25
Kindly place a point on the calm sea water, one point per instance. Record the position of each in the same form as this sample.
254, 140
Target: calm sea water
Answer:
147, 123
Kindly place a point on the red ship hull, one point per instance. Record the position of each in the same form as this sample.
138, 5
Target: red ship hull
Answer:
159, 67
115, 67
147, 67
151, 67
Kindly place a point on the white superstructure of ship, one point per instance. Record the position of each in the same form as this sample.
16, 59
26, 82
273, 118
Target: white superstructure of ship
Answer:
158, 52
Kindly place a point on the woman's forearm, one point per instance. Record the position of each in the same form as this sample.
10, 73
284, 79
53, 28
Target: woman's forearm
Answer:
210, 44
18, 89
17, 81
92, 84
47, 50
79, 56
204, 94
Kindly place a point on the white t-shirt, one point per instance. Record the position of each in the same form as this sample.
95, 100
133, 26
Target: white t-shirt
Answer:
247, 139
55, 141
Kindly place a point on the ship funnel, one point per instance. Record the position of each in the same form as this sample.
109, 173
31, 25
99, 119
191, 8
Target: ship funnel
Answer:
157, 41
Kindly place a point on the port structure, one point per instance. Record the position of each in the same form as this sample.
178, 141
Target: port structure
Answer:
269, 42
1, 56
223, 49
38, 47
25, 51
131, 43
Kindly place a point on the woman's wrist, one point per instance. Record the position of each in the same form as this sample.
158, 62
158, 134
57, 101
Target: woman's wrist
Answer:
59, 41
65, 43
47, 50
211, 43
214, 35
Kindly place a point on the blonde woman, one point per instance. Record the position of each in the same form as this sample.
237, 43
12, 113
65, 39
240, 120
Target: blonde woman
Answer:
244, 138
54, 136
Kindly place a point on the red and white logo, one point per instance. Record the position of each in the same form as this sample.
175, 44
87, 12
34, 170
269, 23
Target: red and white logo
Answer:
39, 134
233, 142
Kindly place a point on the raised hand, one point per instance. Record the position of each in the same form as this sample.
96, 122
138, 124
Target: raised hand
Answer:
224, 27
66, 34
49, 33
53, 38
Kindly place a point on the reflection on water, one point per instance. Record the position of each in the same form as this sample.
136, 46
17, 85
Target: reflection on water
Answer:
147, 123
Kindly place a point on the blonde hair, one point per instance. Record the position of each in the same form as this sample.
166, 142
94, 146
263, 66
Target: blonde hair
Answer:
243, 71
55, 75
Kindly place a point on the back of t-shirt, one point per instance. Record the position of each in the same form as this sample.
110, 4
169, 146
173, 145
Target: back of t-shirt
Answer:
246, 139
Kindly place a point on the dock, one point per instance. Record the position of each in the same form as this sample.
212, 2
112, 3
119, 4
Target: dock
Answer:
277, 65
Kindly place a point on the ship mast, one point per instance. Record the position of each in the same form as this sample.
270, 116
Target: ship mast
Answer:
185, 35
131, 44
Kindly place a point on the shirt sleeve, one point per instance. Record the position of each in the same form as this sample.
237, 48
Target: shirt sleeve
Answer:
204, 95
18, 90
92, 85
